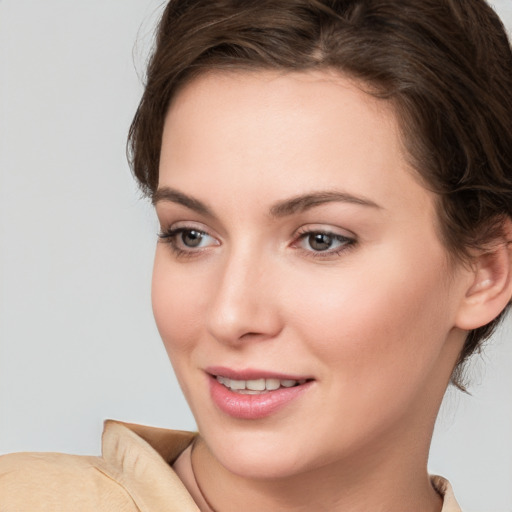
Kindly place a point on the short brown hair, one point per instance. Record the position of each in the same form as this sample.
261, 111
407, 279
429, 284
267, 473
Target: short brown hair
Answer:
445, 64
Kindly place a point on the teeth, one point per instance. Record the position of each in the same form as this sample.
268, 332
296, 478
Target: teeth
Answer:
237, 384
255, 386
223, 380
272, 384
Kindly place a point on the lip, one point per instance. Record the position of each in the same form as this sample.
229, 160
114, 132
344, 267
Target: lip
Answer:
251, 373
253, 407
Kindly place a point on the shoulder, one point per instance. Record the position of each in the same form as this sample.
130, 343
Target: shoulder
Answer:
52, 481
133, 473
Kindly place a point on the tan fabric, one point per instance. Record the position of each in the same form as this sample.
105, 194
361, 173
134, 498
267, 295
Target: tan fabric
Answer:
444, 488
132, 475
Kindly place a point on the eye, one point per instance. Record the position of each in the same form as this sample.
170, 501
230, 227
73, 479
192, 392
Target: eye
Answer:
192, 237
324, 242
320, 241
187, 240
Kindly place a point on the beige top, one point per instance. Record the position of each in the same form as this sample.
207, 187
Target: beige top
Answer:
133, 474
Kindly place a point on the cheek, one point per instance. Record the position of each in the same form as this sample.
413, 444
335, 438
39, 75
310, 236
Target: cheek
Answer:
376, 328
176, 304
177, 300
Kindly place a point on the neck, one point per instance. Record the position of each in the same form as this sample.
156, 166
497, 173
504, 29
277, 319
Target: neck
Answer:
377, 481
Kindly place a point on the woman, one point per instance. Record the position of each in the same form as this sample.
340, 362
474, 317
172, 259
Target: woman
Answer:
333, 185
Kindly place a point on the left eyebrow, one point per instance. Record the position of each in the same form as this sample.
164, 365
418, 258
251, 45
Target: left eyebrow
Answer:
175, 196
304, 202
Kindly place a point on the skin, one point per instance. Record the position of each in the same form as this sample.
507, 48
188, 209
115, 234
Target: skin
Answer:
373, 320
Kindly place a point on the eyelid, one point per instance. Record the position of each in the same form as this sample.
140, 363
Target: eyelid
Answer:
168, 236
325, 228
170, 220
348, 240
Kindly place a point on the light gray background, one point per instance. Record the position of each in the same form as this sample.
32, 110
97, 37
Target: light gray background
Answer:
77, 340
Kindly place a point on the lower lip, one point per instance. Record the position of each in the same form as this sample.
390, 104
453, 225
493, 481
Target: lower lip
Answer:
253, 407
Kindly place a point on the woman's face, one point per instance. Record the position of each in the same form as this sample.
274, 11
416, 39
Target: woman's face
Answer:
299, 254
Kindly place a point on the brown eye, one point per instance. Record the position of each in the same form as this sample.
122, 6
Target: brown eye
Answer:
189, 240
191, 237
320, 241
324, 243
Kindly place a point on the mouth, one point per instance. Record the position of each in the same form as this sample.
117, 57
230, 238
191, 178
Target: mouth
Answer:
258, 386
254, 394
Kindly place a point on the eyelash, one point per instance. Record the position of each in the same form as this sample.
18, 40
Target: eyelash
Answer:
347, 243
169, 237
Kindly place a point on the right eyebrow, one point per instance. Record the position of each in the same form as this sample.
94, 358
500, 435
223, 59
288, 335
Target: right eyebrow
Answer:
307, 201
174, 196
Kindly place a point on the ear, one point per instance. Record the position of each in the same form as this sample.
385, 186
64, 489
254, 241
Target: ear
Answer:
490, 289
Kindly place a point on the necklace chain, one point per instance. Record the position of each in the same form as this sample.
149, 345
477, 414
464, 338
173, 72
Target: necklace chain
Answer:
211, 509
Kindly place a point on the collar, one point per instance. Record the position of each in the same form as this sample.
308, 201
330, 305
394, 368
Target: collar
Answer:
139, 458
443, 487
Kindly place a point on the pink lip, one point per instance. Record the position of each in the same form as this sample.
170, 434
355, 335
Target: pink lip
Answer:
250, 373
252, 407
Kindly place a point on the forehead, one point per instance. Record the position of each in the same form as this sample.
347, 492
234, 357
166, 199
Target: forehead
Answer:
310, 99
272, 133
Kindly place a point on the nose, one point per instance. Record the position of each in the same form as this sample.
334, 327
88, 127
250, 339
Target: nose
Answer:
244, 304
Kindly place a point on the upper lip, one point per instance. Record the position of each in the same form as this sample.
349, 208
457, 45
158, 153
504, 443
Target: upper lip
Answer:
252, 374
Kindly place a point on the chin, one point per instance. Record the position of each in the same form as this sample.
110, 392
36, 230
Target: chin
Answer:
257, 464
258, 451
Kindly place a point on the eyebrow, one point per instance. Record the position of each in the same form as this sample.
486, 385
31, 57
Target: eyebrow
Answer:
283, 208
174, 196
305, 202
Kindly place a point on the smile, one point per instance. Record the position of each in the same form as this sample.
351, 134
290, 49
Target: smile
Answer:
257, 386
255, 394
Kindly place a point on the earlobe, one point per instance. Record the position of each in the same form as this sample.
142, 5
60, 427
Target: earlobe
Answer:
491, 288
